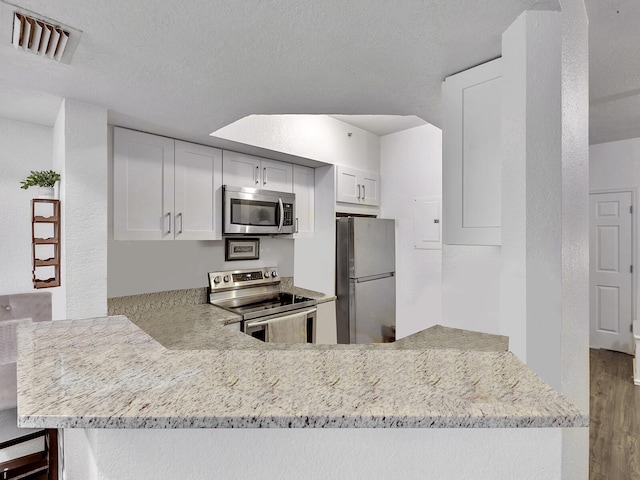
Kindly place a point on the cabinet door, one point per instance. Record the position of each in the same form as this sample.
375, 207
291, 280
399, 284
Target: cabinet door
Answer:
357, 186
370, 183
347, 188
472, 160
240, 170
143, 167
277, 176
198, 193
304, 188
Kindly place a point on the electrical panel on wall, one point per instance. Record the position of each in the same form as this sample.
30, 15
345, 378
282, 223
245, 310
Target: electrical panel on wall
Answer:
426, 224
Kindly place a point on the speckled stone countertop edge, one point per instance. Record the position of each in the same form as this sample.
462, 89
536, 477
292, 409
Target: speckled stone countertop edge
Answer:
303, 421
122, 399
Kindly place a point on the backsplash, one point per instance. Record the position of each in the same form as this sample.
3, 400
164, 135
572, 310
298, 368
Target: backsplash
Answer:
286, 283
132, 304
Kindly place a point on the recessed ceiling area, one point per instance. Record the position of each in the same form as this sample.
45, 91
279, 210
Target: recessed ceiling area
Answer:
381, 124
217, 62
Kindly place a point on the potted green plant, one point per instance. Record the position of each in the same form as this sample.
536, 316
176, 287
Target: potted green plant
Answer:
44, 179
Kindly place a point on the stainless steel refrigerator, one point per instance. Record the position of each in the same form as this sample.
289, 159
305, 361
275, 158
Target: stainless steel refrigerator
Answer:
365, 279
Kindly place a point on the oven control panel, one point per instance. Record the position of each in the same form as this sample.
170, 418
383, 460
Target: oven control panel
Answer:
243, 278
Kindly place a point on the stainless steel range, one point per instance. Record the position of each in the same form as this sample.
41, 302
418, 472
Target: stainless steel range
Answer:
256, 296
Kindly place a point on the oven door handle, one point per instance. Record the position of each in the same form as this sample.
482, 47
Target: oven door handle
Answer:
281, 207
286, 314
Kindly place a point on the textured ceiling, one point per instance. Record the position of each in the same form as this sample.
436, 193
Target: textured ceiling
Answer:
614, 69
186, 69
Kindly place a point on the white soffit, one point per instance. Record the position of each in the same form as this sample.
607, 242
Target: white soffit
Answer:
29, 107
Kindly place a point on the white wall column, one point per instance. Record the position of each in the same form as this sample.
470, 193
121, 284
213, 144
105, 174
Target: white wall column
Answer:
80, 155
544, 303
575, 230
531, 281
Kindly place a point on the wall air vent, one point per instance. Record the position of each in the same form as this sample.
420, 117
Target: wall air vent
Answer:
39, 35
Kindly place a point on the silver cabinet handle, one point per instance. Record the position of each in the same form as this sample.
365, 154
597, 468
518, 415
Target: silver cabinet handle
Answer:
363, 192
169, 230
181, 220
257, 174
296, 224
358, 190
264, 176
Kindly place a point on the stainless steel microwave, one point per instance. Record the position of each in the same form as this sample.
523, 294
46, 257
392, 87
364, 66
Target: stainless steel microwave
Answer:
251, 211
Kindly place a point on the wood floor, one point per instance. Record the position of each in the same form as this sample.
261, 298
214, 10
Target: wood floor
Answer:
614, 431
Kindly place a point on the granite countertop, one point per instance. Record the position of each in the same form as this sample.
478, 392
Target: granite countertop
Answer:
190, 371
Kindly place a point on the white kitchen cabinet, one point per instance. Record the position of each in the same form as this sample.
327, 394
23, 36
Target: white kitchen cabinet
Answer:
143, 186
357, 186
198, 192
304, 188
472, 160
277, 176
165, 189
240, 170
326, 331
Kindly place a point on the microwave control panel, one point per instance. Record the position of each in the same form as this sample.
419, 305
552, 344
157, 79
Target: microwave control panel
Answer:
288, 214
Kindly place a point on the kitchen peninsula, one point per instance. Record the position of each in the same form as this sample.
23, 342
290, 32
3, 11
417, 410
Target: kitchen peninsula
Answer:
101, 379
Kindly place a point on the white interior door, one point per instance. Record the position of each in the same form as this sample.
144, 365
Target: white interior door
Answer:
611, 277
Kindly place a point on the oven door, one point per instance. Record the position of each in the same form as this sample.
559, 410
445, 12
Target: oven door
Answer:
259, 327
249, 211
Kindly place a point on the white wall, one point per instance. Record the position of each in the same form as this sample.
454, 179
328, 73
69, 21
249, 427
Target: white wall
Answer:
359, 453
471, 287
318, 137
575, 230
531, 296
81, 156
137, 267
411, 168
23, 147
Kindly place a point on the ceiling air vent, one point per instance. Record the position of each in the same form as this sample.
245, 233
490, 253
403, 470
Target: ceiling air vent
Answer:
37, 34
39, 37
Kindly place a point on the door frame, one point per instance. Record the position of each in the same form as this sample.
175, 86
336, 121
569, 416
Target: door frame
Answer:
634, 234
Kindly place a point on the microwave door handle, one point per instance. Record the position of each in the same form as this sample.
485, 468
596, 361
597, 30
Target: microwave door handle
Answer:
281, 207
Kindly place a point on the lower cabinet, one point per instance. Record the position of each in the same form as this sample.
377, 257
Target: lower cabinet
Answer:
326, 332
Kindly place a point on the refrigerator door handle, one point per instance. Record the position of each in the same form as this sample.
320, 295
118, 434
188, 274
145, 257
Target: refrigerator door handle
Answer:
374, 277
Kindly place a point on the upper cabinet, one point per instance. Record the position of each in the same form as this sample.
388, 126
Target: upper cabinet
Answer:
357, 186
304, 188
242, 170
198, 192
472, 159
165, 189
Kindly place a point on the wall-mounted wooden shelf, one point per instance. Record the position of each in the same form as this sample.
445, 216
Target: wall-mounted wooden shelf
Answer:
45, 242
